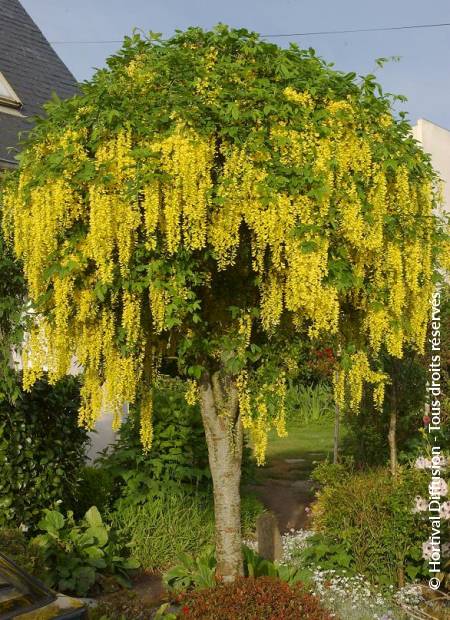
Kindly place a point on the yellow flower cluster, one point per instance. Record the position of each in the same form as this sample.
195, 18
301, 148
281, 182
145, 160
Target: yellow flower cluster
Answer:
113, 217
301, 98
50, 209
191, 394
146, 428
188, 160
254, 411
353, 380
188, 202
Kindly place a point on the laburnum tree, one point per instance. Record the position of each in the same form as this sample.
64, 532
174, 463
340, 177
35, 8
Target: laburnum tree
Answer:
216, 199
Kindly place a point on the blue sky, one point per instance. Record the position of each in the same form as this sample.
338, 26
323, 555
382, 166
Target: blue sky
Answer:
423, 73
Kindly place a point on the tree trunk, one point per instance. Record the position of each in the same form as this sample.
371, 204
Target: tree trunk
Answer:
392, 437
336, 435
392, 434
224, 437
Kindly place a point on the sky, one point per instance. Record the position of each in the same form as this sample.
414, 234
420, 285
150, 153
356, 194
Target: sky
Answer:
422, 74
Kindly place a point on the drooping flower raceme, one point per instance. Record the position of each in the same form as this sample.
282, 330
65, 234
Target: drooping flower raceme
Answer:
180, 197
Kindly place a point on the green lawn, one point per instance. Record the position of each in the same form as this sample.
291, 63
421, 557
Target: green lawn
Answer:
306, 445
301, 441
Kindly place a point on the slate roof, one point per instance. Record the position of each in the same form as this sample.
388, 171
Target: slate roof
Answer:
32, 68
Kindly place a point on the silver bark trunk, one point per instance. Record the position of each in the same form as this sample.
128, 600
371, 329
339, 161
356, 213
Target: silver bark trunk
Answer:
392, 438
224, 437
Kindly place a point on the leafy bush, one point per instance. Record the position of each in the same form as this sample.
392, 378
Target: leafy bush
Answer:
75, 554
178, 454
42, 451
366, 521
95, 482
248, 598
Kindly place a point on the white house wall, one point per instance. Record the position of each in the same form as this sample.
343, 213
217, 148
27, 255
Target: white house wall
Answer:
435, 140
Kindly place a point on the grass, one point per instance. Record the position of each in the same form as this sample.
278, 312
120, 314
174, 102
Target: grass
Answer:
158, 531
162, 528
302, 441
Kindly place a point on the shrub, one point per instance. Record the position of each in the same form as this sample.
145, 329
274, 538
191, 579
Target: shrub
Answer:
178, 454
75, 554
265, 598
369, 518
95, 482
42, 451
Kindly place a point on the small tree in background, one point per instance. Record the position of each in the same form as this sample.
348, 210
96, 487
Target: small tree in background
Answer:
217, 199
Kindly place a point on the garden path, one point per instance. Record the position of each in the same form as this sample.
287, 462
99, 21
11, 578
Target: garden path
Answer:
284, 484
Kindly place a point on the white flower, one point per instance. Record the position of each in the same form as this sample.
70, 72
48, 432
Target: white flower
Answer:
444, 511
427, 550
422, 463
438, 487
410, 595
23, 527
443, 462
421, 504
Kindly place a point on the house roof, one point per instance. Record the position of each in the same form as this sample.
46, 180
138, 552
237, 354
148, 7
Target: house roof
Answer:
34, 71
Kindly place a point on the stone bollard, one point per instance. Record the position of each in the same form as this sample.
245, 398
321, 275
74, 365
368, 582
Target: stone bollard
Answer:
269, 538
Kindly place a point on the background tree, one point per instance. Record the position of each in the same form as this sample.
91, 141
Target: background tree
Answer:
374, 437
217, 199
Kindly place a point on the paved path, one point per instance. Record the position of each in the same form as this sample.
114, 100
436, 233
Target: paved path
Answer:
284, 486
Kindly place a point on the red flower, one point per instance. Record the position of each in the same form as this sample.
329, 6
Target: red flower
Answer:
426, 419
185, 610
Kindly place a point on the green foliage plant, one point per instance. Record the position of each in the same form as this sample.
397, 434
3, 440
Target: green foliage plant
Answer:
367, 522
178, 456
42, 451
309, 404
75, 554
12, 318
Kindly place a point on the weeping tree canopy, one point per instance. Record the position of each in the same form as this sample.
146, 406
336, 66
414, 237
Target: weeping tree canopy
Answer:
215, 199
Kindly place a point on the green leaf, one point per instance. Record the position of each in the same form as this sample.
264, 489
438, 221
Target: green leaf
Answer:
93, 517
52, 522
